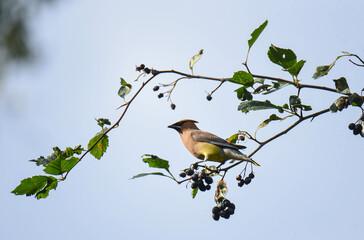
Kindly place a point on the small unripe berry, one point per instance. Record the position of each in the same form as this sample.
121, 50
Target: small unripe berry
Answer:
173, 106
156, 88
160, 95
208, 97
238, 177
351, 126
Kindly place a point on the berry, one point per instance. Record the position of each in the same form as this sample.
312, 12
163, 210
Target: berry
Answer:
226, 203
182, 174
247, 180
242, 138
230, 210
189, 172
215, 210
202, 187
194, 185
142, 66
238, 177
251, 175
156, 88
160, 95
209, 180
241, 183
195, 177
351, 126
138, 69
202, 174
208, 97
208, 187
173, 106
195, 166
358, 127
147, 70
224, 214
216, 217
356, 131
154, 72
232, 205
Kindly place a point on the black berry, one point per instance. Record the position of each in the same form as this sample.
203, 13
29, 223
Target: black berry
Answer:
238, 177
147, 70
356, 131
216, 217
195, 177
138, 69
160, 95
226, 203
154, 72
215, 210
189, 172
209, 180
224, 214
194, 185
351, 126
208, 97
142, 66
232, 205
241, 183
251, 175
230, 210
182, 174
195, 166
173, 106
208, 187
156, 88
247, 180
358, 127
202, 174
202, 187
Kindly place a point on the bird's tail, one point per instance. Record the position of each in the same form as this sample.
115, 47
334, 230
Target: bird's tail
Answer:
241, 156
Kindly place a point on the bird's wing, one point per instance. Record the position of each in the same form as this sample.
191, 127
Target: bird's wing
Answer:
202, 136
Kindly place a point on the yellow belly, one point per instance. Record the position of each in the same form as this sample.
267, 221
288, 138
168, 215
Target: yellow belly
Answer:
210, 152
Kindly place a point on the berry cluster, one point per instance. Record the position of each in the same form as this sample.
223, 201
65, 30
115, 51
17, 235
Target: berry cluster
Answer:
200, 179
146, 70
246, 181
223, 209
358, 127
160, 95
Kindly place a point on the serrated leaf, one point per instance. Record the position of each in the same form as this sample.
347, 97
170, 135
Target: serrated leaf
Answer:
321, 71
155, 162
194, 59
296, 68
271, 118
243, 78
194, 192
54, 167
33, 185
233, 138
147, 174
283, 57
124, 89
100, 148
256, 105
355, 100
342, 85
243, 94
255, 34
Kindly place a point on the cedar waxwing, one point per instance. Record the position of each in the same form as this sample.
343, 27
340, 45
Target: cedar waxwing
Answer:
207, 146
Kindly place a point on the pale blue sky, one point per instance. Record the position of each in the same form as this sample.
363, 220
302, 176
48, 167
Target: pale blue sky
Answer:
309, 184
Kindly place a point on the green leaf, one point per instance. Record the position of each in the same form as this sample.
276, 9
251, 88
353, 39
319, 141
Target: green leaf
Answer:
147, 174
283, 57
103, 121
271, 118
276, 87
233, 138
255, 34
243, 78
100, 148
342, 85
155, 162
321, 71
338, 105
44, 161
33, 185
68, 164
355, 100
124, 89
54, 167
194, 192
243, 94
296, 68
51, 184
194, 59
256, 105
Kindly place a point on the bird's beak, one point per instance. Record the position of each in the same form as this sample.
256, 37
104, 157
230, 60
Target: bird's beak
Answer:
175, 127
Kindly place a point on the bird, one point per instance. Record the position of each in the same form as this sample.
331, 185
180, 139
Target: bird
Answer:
207, 146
